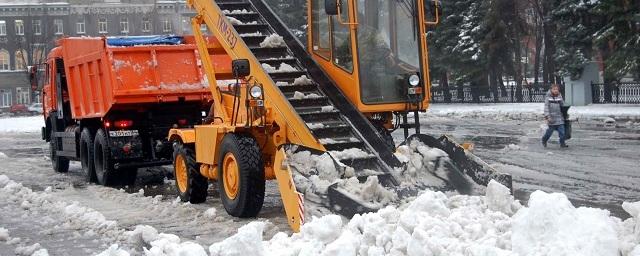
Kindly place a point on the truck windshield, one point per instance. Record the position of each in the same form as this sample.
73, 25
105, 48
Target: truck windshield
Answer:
388, 49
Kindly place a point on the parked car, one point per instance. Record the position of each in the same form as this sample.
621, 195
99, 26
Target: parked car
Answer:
19, 109
35, 108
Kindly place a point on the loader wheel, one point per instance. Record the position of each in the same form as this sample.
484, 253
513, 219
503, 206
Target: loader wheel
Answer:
86, 154
386, 135
103, 165
192, 186
59, 163
241, 176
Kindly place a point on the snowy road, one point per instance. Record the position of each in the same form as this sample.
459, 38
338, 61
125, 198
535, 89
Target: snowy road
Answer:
600, 169
25, 163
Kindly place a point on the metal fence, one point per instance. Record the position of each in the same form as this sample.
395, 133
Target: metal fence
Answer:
476, 94
620, 93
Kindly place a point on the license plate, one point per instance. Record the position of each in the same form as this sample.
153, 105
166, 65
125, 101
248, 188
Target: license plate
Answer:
123, 133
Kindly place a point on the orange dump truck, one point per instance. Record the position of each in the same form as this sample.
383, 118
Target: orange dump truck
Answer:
110, 102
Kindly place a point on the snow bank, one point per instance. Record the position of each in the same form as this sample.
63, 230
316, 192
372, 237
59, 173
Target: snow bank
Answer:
273, 41
531, 111
4, 234
114, 250
552, 226
161, 244
248, 241
21, 124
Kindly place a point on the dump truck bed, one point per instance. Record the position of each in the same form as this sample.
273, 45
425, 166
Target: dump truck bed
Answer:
102, 76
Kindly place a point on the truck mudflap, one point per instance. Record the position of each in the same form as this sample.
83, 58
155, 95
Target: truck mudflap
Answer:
459, 170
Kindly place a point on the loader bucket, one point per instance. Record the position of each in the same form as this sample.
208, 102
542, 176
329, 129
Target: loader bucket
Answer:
462, 162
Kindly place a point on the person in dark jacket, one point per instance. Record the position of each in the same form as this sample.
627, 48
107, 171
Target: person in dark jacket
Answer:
553, 115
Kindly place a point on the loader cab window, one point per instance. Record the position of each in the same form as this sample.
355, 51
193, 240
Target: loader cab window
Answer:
388, 49
321, 35
342, 55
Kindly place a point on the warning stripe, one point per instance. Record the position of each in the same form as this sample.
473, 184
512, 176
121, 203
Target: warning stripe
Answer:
301, 208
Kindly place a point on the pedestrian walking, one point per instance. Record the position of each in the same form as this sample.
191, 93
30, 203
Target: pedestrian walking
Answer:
553, 115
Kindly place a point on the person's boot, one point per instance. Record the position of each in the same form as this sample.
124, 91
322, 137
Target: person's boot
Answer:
564, 145
544, 144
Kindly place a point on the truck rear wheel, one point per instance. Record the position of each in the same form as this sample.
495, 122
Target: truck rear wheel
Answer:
192, 186
241, 176
105, 174
59, 163
86, 154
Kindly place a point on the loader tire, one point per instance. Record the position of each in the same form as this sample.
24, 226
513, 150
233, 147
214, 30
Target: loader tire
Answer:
86, 154
386, 135
241, 180
103, 164
59, 163
192, 186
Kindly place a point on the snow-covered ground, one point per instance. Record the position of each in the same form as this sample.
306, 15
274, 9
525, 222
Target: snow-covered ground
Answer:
530, 111
44, 213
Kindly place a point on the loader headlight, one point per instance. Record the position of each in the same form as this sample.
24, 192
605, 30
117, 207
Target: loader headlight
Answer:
414, 80
256, 91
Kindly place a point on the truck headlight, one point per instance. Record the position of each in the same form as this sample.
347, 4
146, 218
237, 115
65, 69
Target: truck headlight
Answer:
256, 92
414, 80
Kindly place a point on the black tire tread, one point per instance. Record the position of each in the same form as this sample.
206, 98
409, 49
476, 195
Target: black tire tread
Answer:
197, 184
60, 164
87, 137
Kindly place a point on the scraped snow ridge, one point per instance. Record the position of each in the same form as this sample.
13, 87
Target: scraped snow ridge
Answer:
273, 41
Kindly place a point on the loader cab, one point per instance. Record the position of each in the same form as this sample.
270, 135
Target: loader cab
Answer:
375, 50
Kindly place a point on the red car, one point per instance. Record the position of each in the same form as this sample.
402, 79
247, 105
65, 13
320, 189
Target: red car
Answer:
18, 109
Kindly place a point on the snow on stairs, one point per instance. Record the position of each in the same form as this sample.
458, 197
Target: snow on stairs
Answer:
314, 107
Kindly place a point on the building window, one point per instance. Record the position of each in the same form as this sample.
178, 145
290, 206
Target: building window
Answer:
4, 60
58, 27
38, 53
3, 28
5, 98
166, 25
36, 97
102, 26
21, 60
22, 96
19, 27
80, 27
124, 25
146, 25
37, 27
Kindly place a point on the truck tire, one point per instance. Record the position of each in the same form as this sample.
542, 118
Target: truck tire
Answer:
241, 176
103, 166
192, 186
59, 163
128, 176
86, 154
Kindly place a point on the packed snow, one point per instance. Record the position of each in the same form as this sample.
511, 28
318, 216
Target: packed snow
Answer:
302, 80
284, 67
21, 124
300, 96
273, 41
532, 111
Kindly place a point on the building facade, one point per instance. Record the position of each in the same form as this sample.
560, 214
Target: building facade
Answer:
29, 30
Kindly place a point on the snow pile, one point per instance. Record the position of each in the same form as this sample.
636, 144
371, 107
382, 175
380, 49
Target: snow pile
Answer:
299, 96
313, 173
27, 250
210, 213
552, 226
114, 250
430, 225
327, 109
370, 193
154, 244
349, 154
21, 124
422, 163
513, 147
273, 41
284, 67
302, 80
315, 125
4, 234
531, 111
248, 241
235, 21
630, 230
41, 252
243, 11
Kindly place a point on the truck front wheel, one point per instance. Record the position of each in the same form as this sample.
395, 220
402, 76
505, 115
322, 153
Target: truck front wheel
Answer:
86, 154
241, 175
105, 174
59, 163
192, 186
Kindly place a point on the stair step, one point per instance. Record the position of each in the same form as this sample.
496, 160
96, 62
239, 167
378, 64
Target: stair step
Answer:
252, 28
287, 75
326, 131
320, 101
291, 88
361, 163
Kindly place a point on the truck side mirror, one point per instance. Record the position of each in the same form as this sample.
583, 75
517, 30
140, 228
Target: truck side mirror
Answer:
331, 7
241, 68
